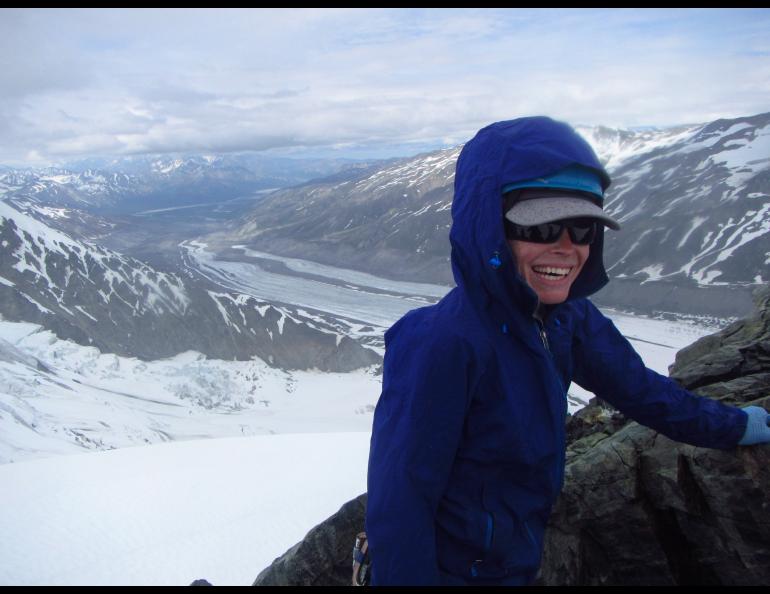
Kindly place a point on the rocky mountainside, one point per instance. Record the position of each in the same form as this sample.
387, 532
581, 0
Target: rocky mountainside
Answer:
694, 202
637, 508
617, 146
393, 221
98, 297
695, 216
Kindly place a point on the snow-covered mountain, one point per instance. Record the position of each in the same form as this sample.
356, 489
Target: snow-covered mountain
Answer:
615, 146
131, 184
696, 220
93, 295
392, 221
54, 187
697, 208
694, 202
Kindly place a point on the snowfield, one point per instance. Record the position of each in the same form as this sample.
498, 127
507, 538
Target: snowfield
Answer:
168, 514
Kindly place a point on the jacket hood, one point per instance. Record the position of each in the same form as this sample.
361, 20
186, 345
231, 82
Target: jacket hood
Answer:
500, 154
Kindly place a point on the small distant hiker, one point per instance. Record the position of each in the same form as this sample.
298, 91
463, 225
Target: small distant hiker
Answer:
468, 444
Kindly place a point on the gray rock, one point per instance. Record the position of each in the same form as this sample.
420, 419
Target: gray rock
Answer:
740, 350
324, 556
640, 509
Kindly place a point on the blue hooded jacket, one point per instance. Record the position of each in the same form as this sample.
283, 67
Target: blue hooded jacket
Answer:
468, 443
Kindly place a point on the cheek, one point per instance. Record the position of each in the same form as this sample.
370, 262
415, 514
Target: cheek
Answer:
523, 254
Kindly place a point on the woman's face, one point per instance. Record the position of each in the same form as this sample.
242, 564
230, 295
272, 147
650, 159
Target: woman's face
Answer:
550, 268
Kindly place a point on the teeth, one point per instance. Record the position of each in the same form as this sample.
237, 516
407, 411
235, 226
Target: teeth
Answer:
551, 270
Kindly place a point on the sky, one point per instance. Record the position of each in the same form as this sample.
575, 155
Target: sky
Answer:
359, 83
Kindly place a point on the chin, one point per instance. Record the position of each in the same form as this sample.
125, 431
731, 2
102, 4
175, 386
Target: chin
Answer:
552, 299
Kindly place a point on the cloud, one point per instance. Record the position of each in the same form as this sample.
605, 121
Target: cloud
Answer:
95, 81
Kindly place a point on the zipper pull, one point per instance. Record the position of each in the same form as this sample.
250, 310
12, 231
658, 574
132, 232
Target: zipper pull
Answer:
543, 336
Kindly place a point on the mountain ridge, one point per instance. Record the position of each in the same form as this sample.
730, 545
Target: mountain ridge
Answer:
98, 297
694, 202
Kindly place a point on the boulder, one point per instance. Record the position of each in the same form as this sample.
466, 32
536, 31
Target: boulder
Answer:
640, 509
325, 556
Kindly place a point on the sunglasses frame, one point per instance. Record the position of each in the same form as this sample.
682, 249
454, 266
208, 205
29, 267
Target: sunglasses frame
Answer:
551, 232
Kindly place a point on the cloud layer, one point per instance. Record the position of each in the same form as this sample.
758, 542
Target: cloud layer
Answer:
111, 81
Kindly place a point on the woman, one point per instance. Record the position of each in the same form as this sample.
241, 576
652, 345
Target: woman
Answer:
468, 442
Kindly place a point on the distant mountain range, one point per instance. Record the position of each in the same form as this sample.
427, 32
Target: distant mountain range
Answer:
131, 184
79, 254
694, 202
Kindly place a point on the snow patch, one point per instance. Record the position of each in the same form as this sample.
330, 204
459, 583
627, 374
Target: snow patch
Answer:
696, 222
653, 272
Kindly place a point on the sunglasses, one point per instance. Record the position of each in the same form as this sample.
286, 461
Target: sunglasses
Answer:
581, 231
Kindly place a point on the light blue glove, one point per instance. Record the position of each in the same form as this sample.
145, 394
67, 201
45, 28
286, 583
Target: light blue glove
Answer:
758, 427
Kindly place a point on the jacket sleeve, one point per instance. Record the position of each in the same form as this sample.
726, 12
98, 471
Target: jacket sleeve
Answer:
417, 428
607, 365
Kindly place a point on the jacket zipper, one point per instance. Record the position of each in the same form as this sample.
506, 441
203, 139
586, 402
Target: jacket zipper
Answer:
488, 535
543, 335
489, 532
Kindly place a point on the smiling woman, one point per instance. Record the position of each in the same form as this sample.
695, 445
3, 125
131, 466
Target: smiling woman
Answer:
468, 443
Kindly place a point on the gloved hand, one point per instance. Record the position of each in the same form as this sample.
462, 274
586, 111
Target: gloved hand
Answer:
758, 427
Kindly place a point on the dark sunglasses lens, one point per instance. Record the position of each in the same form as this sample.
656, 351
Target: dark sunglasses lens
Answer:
583, 232
547, 232
523, 233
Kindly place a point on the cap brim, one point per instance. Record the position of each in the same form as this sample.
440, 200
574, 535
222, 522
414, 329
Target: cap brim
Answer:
536, 211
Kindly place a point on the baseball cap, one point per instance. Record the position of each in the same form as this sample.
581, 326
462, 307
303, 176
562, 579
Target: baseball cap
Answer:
544, 199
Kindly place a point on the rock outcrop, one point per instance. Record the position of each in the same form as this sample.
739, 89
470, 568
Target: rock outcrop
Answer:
637, 508
325, 556
640, 509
